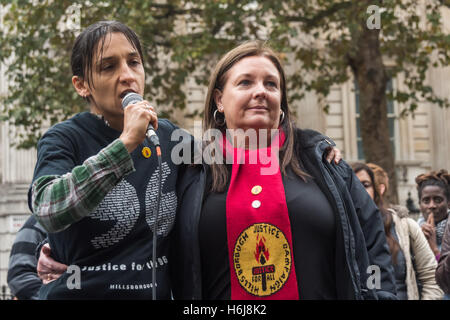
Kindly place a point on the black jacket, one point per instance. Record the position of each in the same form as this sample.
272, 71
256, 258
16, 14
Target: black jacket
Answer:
360, 238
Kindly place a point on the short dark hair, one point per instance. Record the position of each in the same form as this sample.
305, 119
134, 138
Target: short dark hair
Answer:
89, 40
439, 179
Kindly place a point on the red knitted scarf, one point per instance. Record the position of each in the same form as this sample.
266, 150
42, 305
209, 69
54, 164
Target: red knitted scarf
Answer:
258, 226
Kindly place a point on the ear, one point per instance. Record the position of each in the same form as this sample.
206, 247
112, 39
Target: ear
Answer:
382, 189
81, 86
217, 94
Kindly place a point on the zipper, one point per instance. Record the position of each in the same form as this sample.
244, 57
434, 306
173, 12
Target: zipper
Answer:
197, 209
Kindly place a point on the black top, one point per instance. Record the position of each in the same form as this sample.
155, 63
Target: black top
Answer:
360, 241
112, 246
313, 232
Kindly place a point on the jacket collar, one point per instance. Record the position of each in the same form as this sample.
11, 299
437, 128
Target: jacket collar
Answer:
309, 138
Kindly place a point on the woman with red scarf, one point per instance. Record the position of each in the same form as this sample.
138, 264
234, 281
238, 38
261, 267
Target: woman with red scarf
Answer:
268, 217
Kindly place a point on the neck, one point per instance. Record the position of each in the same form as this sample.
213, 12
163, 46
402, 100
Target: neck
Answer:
251, 139
114, 122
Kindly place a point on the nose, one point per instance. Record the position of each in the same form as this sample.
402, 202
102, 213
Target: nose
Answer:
432, 204
260, 90
126, 74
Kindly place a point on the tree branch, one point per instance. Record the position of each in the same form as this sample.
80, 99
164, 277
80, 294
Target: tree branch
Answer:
445, 3
320, 15
173, 11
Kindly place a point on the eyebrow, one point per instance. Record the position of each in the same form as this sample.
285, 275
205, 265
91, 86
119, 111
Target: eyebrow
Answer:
249, 75
112, 58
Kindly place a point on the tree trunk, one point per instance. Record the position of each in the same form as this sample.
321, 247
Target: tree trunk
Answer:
372, 78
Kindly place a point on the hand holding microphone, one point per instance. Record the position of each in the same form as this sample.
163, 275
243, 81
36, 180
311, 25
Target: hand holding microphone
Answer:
139, 119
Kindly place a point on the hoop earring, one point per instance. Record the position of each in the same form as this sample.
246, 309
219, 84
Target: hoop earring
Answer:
282, 117
215, 119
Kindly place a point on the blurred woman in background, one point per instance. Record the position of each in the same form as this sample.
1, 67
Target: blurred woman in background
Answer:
411, 256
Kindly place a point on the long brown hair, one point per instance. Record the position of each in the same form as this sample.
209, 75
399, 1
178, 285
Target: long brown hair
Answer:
381, 178
218, 79
388, 220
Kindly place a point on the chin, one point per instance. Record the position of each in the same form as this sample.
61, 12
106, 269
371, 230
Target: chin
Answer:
260, 123
439, 217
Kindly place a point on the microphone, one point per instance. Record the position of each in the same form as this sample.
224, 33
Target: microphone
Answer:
131, 98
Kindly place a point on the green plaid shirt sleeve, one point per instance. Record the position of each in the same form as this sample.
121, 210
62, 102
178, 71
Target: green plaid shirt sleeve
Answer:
59, 201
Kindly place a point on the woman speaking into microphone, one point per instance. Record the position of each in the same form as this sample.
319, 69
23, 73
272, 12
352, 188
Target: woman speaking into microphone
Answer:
96, 179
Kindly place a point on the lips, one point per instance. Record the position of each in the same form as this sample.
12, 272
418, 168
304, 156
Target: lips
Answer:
124, 93
258, 108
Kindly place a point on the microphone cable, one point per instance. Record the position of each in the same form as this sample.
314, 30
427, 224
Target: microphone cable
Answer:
155, 225
152, 138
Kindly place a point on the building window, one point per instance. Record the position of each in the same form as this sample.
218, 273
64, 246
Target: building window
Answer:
391, 120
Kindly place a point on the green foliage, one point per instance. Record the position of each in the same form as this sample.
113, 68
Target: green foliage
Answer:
184, 38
